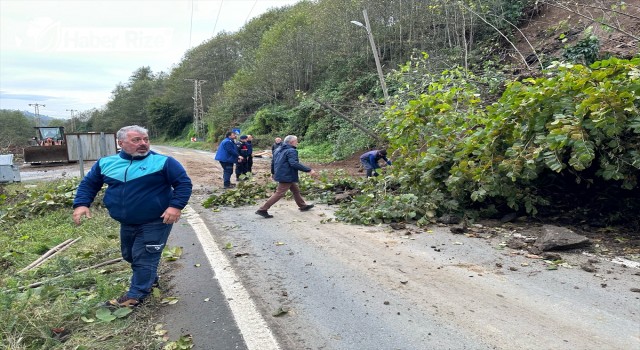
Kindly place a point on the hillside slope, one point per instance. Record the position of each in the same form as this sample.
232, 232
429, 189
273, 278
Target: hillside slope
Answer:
554, 27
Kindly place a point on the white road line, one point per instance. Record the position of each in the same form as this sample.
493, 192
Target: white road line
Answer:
253, 327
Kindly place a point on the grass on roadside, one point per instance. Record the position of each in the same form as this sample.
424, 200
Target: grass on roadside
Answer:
64, 312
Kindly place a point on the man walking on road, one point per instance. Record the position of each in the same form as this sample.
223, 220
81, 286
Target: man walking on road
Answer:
146, 193
286, 166
227, 154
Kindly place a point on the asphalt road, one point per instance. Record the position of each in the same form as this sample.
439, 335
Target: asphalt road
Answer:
337, 286
301, 281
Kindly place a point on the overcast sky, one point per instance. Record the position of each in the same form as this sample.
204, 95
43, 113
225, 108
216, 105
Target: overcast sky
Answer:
70, 54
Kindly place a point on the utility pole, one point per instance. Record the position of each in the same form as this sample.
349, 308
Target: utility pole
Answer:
367, 27
37, 105
73, 121
198, 109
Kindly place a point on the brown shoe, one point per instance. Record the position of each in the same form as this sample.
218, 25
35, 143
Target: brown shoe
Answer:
123, 301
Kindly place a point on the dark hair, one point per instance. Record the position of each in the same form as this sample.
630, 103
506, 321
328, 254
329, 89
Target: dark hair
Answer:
383, 152
229, 133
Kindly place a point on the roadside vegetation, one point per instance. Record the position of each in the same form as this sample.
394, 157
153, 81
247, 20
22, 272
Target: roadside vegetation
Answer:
57, 305
570, 134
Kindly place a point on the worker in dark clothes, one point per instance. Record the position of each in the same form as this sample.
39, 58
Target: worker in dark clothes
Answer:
250, 154
370, 161
242, 167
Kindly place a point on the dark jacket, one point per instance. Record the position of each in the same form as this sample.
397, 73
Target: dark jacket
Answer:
139, 189
227, 151
287, 165
244, 149
371, 158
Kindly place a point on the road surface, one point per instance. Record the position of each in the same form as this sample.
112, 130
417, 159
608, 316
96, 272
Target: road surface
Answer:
301, 281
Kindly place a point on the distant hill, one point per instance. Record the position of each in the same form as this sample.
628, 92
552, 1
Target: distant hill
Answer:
44, 119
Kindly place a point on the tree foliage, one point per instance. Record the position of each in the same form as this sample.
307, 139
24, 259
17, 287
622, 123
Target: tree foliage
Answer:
461, 136
575, 121
16, 129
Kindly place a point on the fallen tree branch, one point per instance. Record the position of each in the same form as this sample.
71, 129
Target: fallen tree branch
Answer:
591, 18
105, 263
524, 60
49, 254
55, 253
345, 117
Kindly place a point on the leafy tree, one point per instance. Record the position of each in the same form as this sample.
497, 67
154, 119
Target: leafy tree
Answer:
575, 122
16, 129
166, 116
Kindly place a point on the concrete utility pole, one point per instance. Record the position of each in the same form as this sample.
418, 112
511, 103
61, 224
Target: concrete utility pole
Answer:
37, 105
367, 27
198, 109
73, 121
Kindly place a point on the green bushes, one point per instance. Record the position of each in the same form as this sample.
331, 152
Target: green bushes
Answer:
575, 121
570, 135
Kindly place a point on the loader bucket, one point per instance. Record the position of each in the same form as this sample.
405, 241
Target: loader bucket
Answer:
46, 154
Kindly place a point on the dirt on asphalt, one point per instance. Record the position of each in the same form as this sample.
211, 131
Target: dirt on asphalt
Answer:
434, 271
206, 175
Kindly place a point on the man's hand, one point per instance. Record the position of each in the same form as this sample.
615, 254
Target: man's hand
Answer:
171, 215
312, 173
78, 212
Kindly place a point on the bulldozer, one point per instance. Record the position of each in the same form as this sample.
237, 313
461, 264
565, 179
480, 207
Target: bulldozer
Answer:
48, 146
52, 145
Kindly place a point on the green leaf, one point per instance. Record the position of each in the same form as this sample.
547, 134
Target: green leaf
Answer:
122, 312
105, 315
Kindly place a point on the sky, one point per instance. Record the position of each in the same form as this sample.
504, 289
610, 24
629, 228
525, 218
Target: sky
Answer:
69, 55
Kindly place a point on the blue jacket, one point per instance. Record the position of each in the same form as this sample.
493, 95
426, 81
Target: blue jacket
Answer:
372, 157
227, 151
139, 189
286, 164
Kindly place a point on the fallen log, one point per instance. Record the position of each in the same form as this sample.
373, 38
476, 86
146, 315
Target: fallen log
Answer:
105, 263
55, 253
49, 254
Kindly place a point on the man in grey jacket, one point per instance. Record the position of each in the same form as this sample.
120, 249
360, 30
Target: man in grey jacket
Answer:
286, 166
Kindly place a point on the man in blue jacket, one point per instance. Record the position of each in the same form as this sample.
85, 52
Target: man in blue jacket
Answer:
227, 154
146, 193
370, 161
286, 167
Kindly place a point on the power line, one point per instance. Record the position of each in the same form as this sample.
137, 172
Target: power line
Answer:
73, 120
198, 108
37, 110
250, 11
191, 25
217, 17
